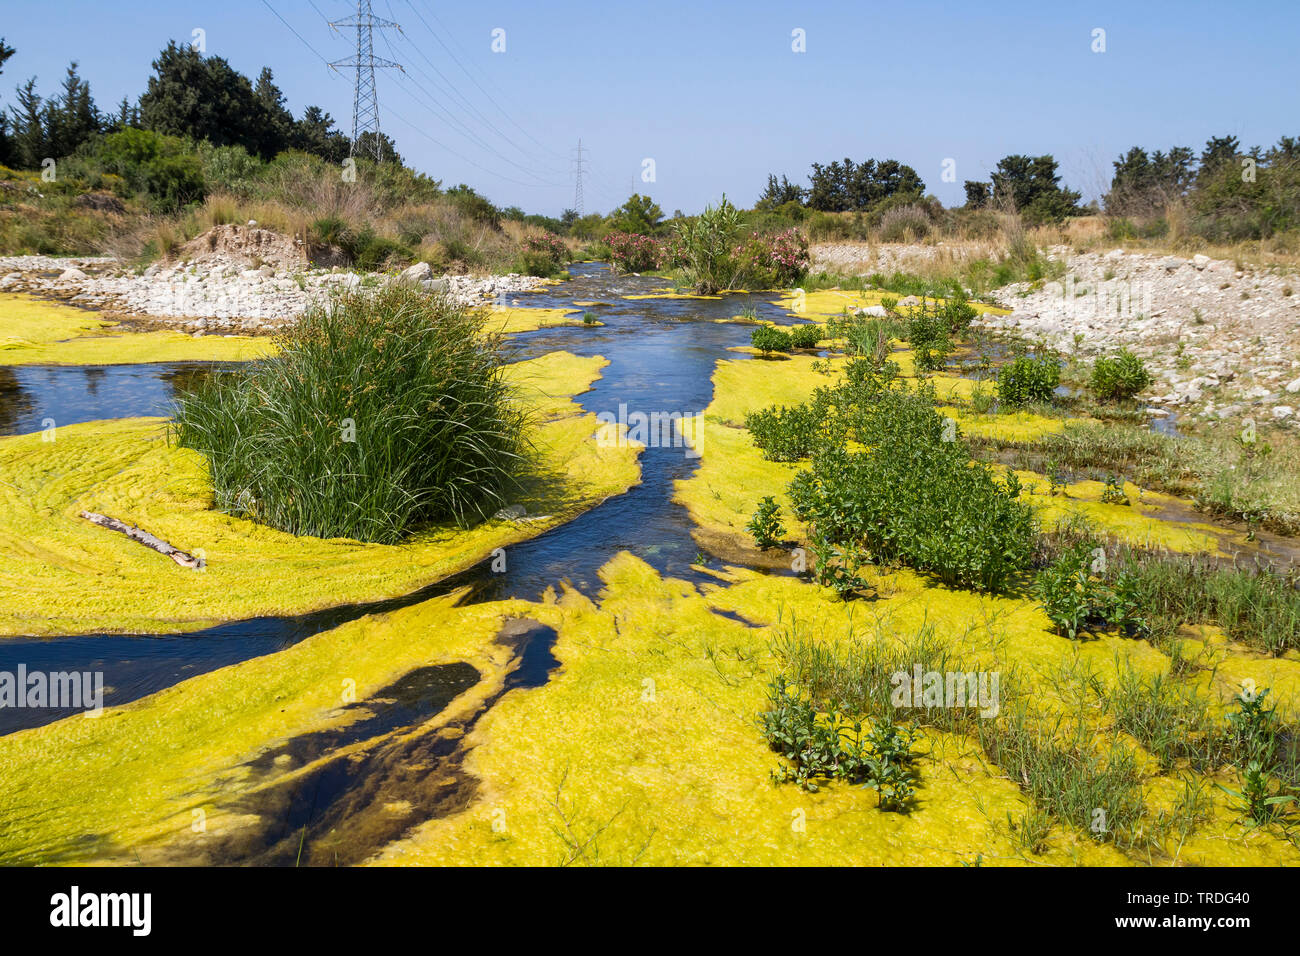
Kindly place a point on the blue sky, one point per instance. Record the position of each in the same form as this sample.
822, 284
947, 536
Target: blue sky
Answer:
712, 91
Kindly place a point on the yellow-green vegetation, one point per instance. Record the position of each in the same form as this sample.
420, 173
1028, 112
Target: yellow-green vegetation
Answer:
652, 752
93, 580
39, 332
507, 319
128, 785
829, 302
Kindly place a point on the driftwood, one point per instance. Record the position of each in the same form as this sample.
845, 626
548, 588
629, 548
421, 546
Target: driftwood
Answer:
183, 558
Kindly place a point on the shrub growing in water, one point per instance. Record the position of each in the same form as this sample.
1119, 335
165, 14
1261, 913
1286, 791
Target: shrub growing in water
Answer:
383, 411
631, 252
767, 338
916, 496
1119, 376
806, 336
1025, 380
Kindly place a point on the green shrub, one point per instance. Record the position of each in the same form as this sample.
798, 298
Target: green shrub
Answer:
382, 412
806, 336
160, 168
765, 525
916, 496
705, 247
1119, 376
1025, 380
787, 434
767, 338
819, 748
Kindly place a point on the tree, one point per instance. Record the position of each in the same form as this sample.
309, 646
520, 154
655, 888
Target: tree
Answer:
72, 117
1218, 152
29, 127
315, 134
1031, 186
777, 194
845, 186
201, 97
1145, 185
640, 214
977, 194
274, 119
6, 141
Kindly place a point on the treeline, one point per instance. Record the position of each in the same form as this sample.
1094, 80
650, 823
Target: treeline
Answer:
1225, 194
189, 96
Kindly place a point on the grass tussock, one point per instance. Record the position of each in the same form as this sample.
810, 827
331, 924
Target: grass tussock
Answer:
382, 412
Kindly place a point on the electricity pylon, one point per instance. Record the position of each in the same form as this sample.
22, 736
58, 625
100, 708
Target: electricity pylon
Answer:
577, 183
365, 100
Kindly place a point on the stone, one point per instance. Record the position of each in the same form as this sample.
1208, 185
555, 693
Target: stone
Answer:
1283, 411
510, 513
416, 273
72, 274
1294, 387
1200, 261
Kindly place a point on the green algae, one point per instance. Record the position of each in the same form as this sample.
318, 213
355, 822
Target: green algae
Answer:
39, 332
96, 581
155, 780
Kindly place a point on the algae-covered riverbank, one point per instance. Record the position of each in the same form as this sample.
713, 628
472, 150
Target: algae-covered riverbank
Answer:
599, 696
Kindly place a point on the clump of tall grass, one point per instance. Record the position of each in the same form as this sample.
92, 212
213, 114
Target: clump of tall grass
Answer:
383, 411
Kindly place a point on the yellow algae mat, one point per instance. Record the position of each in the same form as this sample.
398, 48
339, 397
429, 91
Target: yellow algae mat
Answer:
38, 332
60, 574
645, 746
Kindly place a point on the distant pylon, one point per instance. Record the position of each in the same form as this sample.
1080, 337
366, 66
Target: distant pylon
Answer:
365, 100
577, 182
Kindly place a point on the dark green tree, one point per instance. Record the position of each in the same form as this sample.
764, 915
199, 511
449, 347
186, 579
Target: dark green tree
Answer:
315, 133
640, 214
200, 97
1031, 186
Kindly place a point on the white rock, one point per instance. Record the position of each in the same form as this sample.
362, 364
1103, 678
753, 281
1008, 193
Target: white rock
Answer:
1283, 411
1294, 387
417, 273
72, 274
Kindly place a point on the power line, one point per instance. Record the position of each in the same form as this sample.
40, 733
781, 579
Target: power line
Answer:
365, 98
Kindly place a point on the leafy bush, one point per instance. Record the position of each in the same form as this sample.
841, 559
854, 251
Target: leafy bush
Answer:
772, 261
806, 336
161, 168
765, 525
767, 338
705, 247
1119, 376
915, 497
1024, 380
631, 252
788, 434
382, 411
833, 747
1078, 599
543, 255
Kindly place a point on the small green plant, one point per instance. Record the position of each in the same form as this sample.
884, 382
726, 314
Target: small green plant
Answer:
806, 336
839, 569
818, 748
1259, 801
1119, 377
589, 318
768, 339
890, 770
1112, 493
982, 400
1026, 380
765, 525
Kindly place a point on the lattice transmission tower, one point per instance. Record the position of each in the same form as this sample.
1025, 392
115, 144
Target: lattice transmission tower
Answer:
577, 181
365, 100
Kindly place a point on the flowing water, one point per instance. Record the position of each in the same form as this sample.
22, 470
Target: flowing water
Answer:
662, 354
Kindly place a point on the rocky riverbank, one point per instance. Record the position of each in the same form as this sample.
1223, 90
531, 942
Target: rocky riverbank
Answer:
1220, 340
222, 293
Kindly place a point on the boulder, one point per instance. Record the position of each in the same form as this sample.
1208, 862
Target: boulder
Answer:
72, 274
416, 273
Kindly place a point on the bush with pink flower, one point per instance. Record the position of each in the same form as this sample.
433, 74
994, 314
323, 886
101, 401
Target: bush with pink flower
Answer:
772, 261
632, 252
